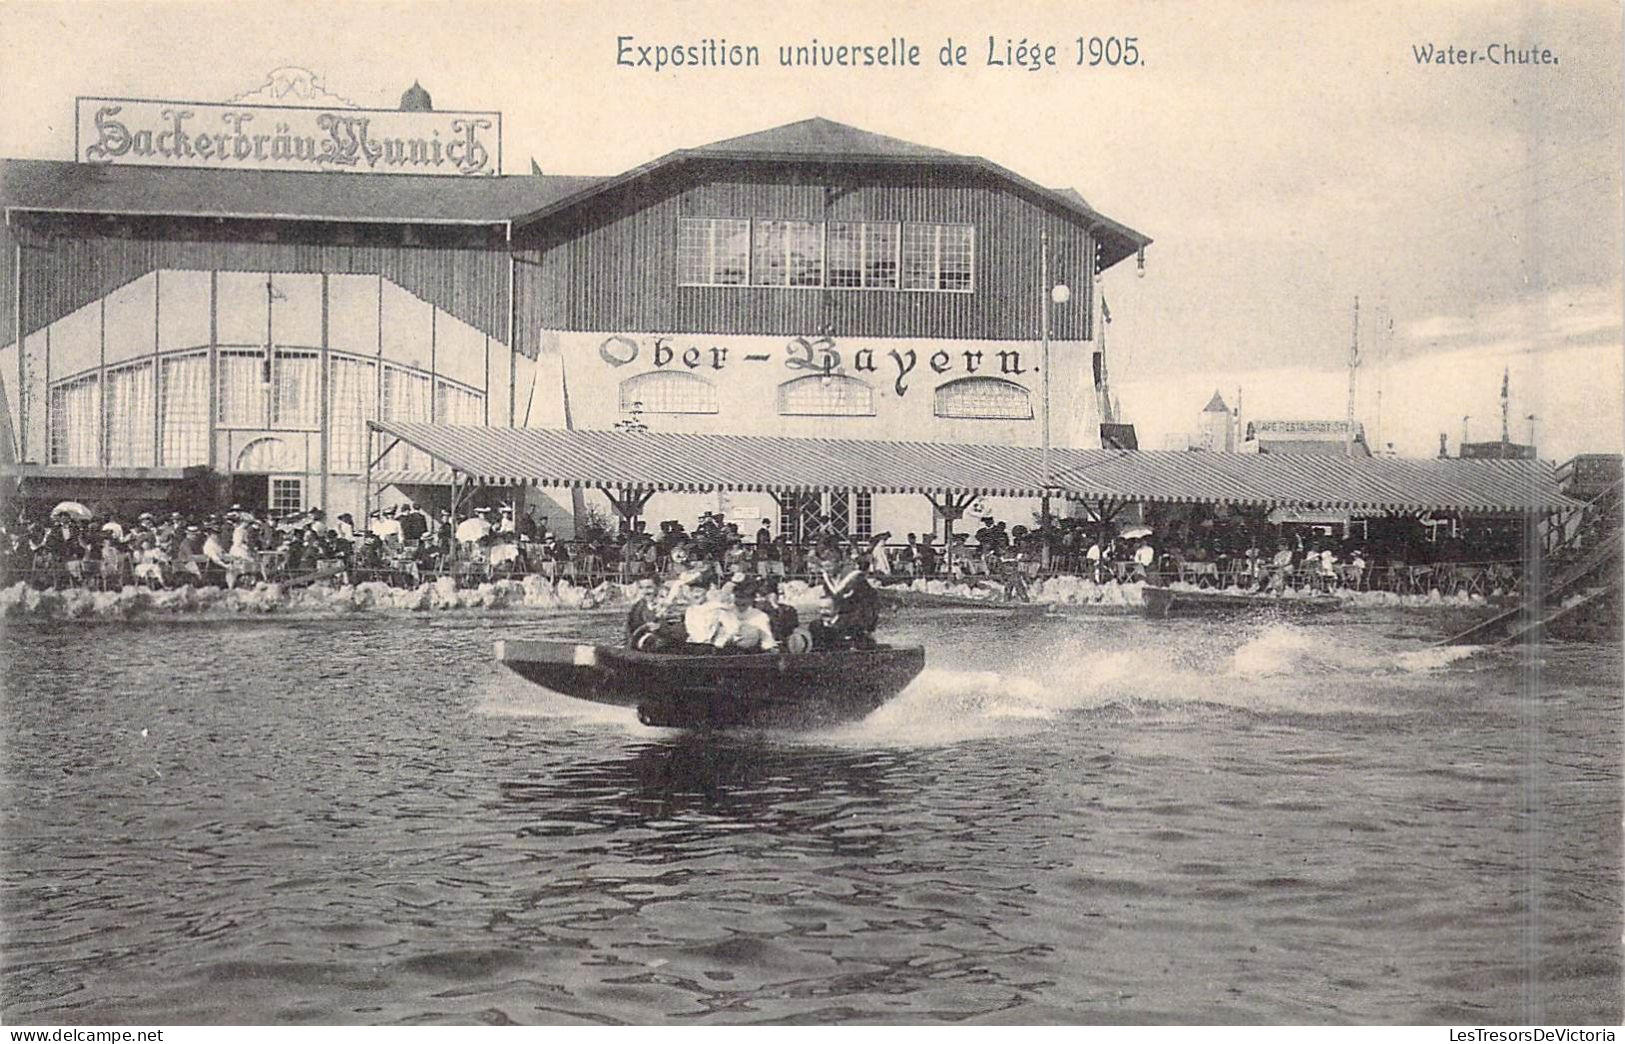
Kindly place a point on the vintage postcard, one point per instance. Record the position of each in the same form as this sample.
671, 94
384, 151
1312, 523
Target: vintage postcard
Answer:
842, 514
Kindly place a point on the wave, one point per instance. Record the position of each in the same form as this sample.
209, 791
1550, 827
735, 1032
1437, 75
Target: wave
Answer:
1278, 669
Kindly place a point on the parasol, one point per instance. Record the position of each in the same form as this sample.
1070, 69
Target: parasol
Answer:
73, 509
1135, 532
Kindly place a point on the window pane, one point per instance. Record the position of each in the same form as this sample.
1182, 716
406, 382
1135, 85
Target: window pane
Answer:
880, 256
458, 405
955, 257
406, 398
919, 257
242, 395
668, 392
76, 422
845, 253
130, 417
732, 252
831, 396
694, 250
712, 251
184, 410
296, 392
354, 390
804, 241
984, 398
769, 265
287, 497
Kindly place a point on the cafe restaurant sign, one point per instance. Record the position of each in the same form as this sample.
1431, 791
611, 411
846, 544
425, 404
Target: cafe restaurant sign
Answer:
278, 137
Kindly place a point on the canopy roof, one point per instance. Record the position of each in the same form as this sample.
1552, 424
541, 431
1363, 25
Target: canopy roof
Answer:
673, 462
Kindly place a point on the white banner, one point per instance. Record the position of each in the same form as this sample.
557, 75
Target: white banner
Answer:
277, 137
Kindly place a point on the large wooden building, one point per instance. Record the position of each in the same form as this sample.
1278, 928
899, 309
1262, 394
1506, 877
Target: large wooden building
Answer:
813, 280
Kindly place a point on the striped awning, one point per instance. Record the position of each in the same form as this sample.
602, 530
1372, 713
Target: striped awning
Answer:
700, 463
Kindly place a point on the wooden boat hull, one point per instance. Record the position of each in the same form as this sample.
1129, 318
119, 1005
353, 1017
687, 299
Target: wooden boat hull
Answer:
1162, 602
683, 690
904, 598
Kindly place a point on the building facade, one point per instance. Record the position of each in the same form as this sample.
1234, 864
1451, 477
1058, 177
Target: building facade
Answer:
809, 280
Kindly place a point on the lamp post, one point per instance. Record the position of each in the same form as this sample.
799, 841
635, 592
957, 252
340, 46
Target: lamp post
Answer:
1057, 294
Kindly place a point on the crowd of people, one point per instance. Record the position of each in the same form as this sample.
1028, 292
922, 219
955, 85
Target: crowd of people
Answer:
407, 545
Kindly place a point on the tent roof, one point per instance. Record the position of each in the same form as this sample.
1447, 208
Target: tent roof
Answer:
674, 462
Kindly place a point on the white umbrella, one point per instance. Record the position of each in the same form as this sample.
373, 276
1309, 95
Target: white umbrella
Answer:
470, 530
72, 508
1135, 532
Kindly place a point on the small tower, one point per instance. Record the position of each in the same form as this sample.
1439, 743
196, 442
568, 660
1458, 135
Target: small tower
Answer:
1216, 429
416, 99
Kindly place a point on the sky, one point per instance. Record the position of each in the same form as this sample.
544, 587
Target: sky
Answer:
1286, 158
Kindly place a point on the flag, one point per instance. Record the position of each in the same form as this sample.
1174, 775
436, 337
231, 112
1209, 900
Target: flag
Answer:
1105, 312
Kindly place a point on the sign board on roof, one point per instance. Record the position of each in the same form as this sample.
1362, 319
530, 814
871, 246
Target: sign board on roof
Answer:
146, 132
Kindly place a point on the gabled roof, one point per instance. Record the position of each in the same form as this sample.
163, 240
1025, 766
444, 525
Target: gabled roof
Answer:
1216, 405
671, 461
80, 188
818, 138
827, 142
137, 191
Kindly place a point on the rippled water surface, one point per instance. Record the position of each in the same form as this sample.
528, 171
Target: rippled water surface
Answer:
365, 820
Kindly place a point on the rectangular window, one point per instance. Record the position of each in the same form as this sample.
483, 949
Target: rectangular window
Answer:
713, 251
130, 416
241, 384
455, 404
353, 389
287, 496
863, 254
296, 392
863, 515
787, 253
406, 398
183, 409
938, 257
870, 255
76, 422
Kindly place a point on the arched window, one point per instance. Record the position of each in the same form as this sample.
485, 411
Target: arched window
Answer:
984, 398
829, 395
668, 391
268, 454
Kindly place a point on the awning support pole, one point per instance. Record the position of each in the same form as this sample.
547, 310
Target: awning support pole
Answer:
629, 503
949, 509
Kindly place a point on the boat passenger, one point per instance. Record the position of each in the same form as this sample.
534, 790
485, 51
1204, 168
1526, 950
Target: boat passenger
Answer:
854, 611
783, 619
752, 628
708, 622
645, 611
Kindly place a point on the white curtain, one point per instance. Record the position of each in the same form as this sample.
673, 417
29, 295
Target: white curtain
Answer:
456, 405
354, 390
76, 422
129, 416
242, 396
184, 410
406, 398
297, 392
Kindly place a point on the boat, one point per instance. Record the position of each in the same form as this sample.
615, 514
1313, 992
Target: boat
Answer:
907, 597
1165, 601
684, 690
